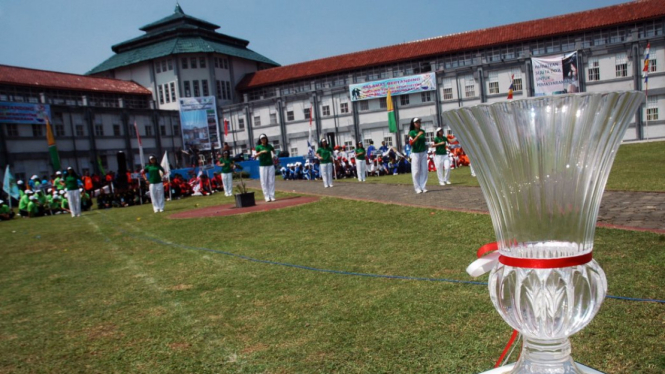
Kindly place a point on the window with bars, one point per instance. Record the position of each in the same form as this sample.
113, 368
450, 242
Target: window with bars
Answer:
116, 130
172, 85
652, 108
290, 116
404, 100
621, 65
429, 137
183, 62
383, 103
517, 84
426, 97
447, 93
241, 123
364, 105
470, 91
59, 130
257, 121
273, 118
37, 130
99, 129
160, 92
344, 107
494, 87
148, 130
204, 86
80, 130
192, 62
307, 113
326, 110
594, 70
652, 65
197, 91
294, 152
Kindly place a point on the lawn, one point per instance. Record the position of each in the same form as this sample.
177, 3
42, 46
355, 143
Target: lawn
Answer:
637, 167
126, 290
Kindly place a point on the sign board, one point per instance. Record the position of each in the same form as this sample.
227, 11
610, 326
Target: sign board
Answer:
397, 86
556, 75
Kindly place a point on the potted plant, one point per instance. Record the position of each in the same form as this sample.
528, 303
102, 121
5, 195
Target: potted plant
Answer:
243, 197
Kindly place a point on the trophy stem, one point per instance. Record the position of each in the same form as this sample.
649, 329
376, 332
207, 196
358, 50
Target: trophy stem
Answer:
546, 356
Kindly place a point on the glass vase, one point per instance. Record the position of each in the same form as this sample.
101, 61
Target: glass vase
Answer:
542, 164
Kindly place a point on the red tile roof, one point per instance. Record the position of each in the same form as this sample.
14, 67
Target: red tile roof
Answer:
18, 76
513, 33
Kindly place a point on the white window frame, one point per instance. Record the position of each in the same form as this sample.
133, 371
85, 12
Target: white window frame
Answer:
621, 65
344, 107
593, 73
326, 110
257, 121
404, 100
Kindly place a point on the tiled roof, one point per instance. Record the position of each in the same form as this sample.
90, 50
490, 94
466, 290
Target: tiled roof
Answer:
174, 46
547, 27
13, 75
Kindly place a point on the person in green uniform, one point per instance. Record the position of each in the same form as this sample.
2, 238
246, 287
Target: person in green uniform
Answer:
71, 184
441, 159
5, 213
324, 154
56, 182
23, 203
86, 201
64, 204
264, 151
56, 204
418, 156
154, 178
361, 164
33, 207
227, 172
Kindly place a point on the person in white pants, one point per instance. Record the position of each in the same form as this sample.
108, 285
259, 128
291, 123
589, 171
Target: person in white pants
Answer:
154, 178
264, 151
419, 170
73, 194
441, 159
361, 164
324, 154
227, 172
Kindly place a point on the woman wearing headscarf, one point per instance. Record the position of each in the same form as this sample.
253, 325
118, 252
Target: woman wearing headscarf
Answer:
324, 154
441, 159
418, 156
71, 184
227, 172
154, 178
264, 151
361, 165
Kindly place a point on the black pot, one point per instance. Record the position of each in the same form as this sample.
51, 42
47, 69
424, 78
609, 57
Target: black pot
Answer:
244, 200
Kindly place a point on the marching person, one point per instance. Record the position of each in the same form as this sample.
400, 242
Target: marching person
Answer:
70, 181
441, 159
324, 154
227, 172
265, 151
361, 165
418, 156
156, 185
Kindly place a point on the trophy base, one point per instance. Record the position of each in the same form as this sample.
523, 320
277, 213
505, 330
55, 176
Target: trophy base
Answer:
506, 369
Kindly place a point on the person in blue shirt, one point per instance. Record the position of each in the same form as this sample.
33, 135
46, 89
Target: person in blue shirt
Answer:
370, 150
284, 172
383, 149
298, 171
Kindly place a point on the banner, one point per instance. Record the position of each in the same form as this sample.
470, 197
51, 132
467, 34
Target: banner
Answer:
198, 117
397, 86
24, 114
555, 75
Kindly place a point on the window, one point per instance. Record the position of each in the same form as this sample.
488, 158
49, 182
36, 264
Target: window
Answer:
37, 130
148, 130
197, 91
162, 130
652, 108
307, 113
184, 63
364, 105
652, 65
59, 130
225, 63
219, 88
517, 84
273, 118
426, 97
170, 62
621, 65
348, 144
383, 103
326, 110
163, 65
470, 90
176, 129
80, 131
116, 130
99, 129
275, 144
202, 62
188, 92
447, 94
160, 92
241, 123
594, 69
192, 62
294, 152
494, 87
404, 100
344, 107
228, 90
388, 140
158, 67
172, 84
289, 115
167, 97
429, 136
204, 85
257, 121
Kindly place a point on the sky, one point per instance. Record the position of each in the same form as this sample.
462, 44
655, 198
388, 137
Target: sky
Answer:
74, 36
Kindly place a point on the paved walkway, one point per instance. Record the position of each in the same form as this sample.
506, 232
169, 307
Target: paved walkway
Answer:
643, 211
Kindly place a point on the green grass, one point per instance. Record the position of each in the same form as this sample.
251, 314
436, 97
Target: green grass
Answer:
100, 294
637, 167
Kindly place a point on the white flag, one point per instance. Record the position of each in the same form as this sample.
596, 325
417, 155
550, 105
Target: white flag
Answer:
165, 165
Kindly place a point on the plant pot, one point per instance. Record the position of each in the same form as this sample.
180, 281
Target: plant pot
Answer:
244, 200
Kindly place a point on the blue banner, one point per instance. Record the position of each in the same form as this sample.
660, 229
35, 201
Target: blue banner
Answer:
25, 114
397, 86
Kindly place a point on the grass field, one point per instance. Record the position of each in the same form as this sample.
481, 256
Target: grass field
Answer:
126, 290
637, 167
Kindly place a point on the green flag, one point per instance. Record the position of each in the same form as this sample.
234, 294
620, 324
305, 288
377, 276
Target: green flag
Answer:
52, 149
392, 124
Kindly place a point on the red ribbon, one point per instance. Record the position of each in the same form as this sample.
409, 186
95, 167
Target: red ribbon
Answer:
535, 263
